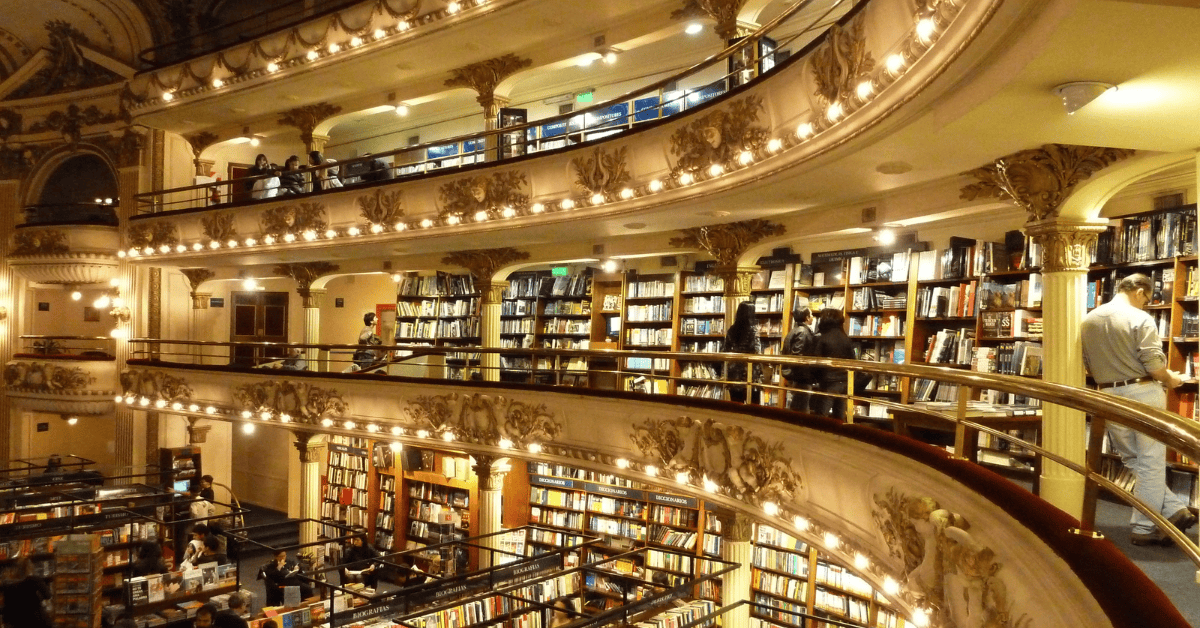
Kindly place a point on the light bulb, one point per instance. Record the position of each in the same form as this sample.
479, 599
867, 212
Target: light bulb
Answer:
774, 145
651, 470
694, 28
181, 248
396, 446
76, 295
537, 208
800, 522
210, 410
348, 425
247, 428
310, 235
327, 422
716, 170
864, 89
453, 219
886, 237
481, 216
246, 414
379, 33
401, 110
251, 241
925, 29
396, 430
627, 193
353, 231
177, 406
422, 433
214, 245
426, 223
334, 48
453, 8
218, 83
400, 226
609, 266
771, 508
709, 485
285, 418
656, 185
168, 96
891, 586
567, 204
920, 618
681, 477
804, 130
289, 237
597, 199
355, 42
268, 239
102, 302
745, 157
622, 463
834, 111
831, 540
72, 420
330, 234
402, 25
249, 284
161, 403
895, 63
505, 443
272, 67
254, 141
448, 437
372, 428
535, 448
376, 228
193, 408
508, 212
686, 178
312, 55
861, 562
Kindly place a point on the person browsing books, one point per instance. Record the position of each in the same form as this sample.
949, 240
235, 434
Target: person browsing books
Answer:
832, 343
1123, 353
205, 616
280, 573
801, 340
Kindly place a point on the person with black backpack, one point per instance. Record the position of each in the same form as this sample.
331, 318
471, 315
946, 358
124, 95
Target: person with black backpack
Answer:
801, 340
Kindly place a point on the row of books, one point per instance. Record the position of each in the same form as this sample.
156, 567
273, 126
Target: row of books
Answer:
877, 299
616, 506
768, 303
877, 325
557, 498
675, 538
175, 584
951, 346
650, 289
349, 515
701, 346
1022, 293
576, 308
1012, 324
653, 313
648, 337
840, 604
1190, 327
439, 494
1160, 235
946, 301
577, 364
646, 385
437, 328
701, 391
842, 578
704, 305
779, 584
670, 560
884, 267
516, 326
557, 518
439, 285
567, 326
702, 326
703, 283
616, 527
347, 461
347, 477
673, 515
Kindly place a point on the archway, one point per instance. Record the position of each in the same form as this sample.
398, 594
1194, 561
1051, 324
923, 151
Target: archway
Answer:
80, 189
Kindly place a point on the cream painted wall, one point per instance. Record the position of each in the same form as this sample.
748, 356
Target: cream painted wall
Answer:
93, 437
260, 475
178, 167
65, 317
362, 293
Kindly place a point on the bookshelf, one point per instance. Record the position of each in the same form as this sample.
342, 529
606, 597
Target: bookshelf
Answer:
520, 312
443, 310
649, 325
790, 575
437, 499
345, 498
702, 328
383, 497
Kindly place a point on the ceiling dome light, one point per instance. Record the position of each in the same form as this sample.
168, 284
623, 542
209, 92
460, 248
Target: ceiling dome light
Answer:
168, 96
1078, 94
334, 48
72, 421
355, 42
249, 284
804, 130
380, 33
377, 228
218, 83
886, 237
694, 28
247, 428
401, 110
610, 57
312, 55
76, 295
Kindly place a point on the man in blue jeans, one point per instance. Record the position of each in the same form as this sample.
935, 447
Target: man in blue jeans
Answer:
1123, 352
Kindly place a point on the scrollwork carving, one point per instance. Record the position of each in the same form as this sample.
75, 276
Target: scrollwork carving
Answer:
491, 194
724, 12
305, 274
1039, 180
483, 419
1065, 247
740, 463
294, 219
603, 172
153, 235
197, 276
45, 377
382, 208
32, 242
484, 76
946, 567
305, 404
68, 69
11, 123
841, 62
483, 263
70, 123
219, 227
719, 136
155, 385
727, 242
307, 118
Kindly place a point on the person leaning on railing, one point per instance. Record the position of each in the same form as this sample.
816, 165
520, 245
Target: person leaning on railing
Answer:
801, 340
1123, 352
832, 343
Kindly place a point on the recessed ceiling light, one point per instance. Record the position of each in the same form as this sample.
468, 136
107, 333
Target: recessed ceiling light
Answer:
635, 225
893, 167
694, 28
714, 213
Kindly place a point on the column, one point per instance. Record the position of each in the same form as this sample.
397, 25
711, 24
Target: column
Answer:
1064, 275
312, 326
735, 585
314, 142
737, 287
12, 290
491, 488
311, 448
489, 328
129, 184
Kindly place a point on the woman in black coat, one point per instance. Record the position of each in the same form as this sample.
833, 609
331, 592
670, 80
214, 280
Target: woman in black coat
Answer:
832, 343
742, 337
291, 181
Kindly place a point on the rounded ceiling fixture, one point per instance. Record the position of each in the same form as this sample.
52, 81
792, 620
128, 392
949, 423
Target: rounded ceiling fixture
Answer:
1078, 94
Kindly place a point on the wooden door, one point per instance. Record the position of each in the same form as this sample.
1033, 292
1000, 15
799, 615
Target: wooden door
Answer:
236, 191
258, 317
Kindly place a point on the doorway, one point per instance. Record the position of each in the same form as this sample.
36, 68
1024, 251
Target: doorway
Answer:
258, 317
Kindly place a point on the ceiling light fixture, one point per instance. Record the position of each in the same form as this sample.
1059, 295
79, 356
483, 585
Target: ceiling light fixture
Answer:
401, 110
1079, 93
694, 28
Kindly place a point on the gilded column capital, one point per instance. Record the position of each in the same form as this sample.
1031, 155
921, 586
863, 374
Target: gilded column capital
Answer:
724, 12
310, 447
197, 434
737, 279
311, 298
200, 300
493, 292
484, 76
737, 527
1066, 245
483, 263
728, 241
307, 118
305, 274
1039, 180
491, 476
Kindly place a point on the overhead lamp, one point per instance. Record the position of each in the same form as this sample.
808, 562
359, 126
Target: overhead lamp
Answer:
249, 283
925, 29
312, 55
694, 28
76, 295
168, 96
586, 60
885, 236
355, 42
401, 110
380, 33
1079, 93
609, 266
610, 55
453, 7
895, 63
333, 48
396, 446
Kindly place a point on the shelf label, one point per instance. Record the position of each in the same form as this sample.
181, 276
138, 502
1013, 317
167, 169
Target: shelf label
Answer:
542, 480
347, 450
530, 569
397, 604
614, 491
673, 500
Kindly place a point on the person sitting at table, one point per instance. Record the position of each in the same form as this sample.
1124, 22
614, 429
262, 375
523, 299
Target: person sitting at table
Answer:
357, 562
280, 573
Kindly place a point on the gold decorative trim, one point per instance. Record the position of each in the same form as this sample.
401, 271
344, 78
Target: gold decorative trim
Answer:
948, 570
295, 219
736, 526
741, 464
492, 291
155, 385
200, 141
1039, 180
484, 76
309, 446
483, 263
603, 172
718, 137
305, 404
723, 12
841, 62
727, 242
68, 69
219, 227
305, 274
1065, 247
307, 118
70, 123
11, 123
22, 376
382, 208
154, 309
35, 242
483, 419
153, 235
490, 477
491, 194
197, 434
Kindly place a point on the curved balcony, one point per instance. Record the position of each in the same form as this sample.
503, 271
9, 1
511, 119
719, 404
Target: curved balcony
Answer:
852, 489
67, 375
75, 251
672, 146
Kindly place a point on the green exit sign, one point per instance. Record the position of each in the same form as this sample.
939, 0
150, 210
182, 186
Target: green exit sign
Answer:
559, 271
584, 96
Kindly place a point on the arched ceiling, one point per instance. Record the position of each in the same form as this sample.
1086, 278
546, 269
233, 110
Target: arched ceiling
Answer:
114, 28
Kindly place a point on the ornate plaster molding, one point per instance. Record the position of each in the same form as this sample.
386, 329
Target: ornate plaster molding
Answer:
155, 385
197, 433
15, 163
33, 242
738, 462
307, 118
125, 150
310, 447
736, 527
305, 274
71, 122
483, 419
1039, 180
196, 277
492, 194
603, 172
301, 402
484, 76
200, 141
492, 292
953, 573
46, 377
382, 208
718, 137
219, 227
728, 241
294, 219
153, 235
723, 12
68, 68
66, 268
491, 477
841, 62
483, 263
1066, 246
11, 123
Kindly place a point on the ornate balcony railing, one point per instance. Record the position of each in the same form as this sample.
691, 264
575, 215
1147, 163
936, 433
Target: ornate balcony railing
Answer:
611, 370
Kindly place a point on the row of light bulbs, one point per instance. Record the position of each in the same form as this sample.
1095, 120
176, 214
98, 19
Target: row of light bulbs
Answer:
332, 48
802, 525
926, 29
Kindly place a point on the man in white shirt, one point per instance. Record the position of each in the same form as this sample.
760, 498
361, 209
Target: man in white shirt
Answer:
1123, 352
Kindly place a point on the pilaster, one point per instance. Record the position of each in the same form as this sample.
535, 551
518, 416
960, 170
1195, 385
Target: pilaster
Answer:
312, 325
737, 287
491, 486
1065, 246
12, 290
735, 585
489, 328
311, 448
